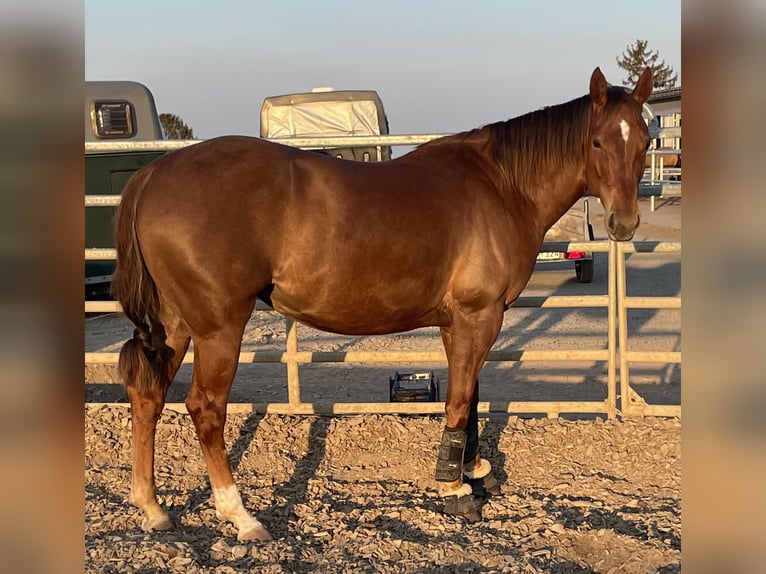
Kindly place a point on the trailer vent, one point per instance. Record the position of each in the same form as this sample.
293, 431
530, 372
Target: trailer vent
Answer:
112, 119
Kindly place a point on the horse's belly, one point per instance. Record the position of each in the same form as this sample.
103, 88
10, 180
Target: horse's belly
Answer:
353, 316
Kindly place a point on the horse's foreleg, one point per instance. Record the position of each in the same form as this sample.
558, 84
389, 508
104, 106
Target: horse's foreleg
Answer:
147, 393
467, 343
476, 470
215, 363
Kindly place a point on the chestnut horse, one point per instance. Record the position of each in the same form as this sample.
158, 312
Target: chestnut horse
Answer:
202, 231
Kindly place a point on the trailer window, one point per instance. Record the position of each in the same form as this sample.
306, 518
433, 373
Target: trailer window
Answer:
113, 119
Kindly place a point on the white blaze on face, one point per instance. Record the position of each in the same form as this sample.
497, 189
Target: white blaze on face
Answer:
625, 130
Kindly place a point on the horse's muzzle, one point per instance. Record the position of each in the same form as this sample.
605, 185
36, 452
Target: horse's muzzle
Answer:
621, 227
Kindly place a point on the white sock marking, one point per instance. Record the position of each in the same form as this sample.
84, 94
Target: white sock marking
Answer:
229, 505
625, 129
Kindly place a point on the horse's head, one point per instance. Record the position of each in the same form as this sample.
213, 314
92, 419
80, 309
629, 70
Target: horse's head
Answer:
616, 151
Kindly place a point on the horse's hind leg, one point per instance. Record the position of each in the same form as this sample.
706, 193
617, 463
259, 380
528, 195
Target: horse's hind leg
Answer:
169, 340
215, 363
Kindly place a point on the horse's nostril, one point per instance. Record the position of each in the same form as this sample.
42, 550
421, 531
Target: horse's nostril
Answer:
610, 222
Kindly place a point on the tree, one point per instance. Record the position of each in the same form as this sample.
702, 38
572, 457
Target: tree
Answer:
637, 57
175, 128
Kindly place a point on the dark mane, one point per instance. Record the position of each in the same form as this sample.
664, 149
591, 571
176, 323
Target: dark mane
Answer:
551, 138
527, 146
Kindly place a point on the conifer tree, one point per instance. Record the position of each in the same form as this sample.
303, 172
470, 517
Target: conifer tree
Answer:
637, 57
175, 128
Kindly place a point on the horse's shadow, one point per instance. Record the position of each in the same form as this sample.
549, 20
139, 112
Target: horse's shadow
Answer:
295, 490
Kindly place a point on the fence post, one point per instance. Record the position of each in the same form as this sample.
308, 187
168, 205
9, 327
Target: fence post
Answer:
293, 378
627, 405
611, 393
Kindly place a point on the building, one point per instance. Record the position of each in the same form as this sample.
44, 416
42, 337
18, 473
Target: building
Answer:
666, 105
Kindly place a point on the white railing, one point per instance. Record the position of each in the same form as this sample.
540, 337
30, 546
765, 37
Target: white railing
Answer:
659, 180
616, 355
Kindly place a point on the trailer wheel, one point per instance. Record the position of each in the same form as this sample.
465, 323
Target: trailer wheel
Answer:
584, 270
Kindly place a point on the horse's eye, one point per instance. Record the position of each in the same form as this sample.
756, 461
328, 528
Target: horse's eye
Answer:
597, 144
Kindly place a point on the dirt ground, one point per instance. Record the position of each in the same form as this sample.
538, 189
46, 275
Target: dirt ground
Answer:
356, 494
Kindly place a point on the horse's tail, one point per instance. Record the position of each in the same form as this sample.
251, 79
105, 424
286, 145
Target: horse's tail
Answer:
141, 362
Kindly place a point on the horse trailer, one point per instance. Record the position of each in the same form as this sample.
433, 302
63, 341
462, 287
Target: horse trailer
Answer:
325, 112
114, 111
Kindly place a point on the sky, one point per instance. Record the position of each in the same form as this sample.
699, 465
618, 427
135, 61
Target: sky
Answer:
439, 66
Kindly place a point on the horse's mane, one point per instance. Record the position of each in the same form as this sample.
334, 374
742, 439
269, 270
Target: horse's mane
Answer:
537, 142
550, 138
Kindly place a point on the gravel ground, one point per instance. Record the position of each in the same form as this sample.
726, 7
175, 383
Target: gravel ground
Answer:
356, 494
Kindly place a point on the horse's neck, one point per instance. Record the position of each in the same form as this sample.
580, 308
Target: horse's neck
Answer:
553, 199
570, 189
547, 187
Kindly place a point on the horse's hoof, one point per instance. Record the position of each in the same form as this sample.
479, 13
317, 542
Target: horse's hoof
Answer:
485, 486
258, 532
465, 506
159, 522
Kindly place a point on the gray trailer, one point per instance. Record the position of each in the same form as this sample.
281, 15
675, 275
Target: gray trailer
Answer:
573, 226
325, 112
114, 111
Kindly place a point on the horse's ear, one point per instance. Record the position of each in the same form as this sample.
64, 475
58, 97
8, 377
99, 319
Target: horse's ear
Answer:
643, 88
598, 88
